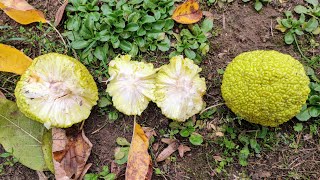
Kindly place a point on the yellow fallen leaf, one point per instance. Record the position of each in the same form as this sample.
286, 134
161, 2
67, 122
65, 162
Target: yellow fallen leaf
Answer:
21, 11
13, 60
187, 13
139, 165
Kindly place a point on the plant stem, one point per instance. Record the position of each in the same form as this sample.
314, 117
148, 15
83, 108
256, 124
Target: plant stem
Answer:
297, 44
64, 42
210, 107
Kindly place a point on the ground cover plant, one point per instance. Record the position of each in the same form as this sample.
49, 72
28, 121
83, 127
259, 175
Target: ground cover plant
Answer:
212, 142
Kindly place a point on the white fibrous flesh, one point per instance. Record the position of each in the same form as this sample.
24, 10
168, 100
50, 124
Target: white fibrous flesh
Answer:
179, 89
55, 93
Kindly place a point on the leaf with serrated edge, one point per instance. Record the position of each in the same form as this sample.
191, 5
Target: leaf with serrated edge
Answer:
21, 136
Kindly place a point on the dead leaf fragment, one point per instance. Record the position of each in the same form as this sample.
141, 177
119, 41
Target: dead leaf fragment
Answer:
70, 153
168, 140
219, 134
182, 149
217, 158
262, 174
150, 132
188, 12
59, 13
207, 13
168, 151
139, 165
13, 60
21, 11
116, 168
2, 95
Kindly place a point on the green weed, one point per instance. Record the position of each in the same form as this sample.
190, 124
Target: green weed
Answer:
9, 161
96, 29
122, 151
104, 174
220, 3
258, 4
193, 42
312, 108
186, 130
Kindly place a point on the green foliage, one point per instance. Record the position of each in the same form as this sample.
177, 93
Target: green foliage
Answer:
193, 42
96, 29
36, 40
298, 127
258, 4
22, 135
104, 174
9, 160
308, 21
220, 3
312, 108
105, 107
122, 151
186, 129
243, 145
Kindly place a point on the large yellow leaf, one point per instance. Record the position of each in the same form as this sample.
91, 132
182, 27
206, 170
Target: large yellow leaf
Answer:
13, 60
187, 13
21, 11
139, 165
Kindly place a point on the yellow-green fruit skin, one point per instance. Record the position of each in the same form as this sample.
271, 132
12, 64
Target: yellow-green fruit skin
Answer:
265, 87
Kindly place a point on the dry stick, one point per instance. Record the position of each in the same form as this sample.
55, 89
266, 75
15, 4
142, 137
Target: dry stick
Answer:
223, 21
100, 128
211, 107
82, 124
271, 29
64, 42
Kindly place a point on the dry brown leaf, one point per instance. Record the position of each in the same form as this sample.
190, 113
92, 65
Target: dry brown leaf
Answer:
155, 146
139, 165
21, 11
207, 13
188, 12
182, 149
168, 140
167, 151
13, 60
85, 170
219, 134
217, 158
2, 95
70, 153
115, 168
150, 132
59, 13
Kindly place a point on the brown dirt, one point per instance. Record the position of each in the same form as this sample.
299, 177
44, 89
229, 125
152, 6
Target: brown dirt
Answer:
239, 28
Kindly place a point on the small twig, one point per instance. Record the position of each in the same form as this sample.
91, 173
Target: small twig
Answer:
223, 21
64, 42
211, 107
271, 29
100, 128
82, 124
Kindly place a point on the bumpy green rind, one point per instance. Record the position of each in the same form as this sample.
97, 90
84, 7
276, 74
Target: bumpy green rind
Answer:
86, 81
265, 87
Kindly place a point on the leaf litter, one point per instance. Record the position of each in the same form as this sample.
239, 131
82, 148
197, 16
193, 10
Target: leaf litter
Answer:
71, 150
